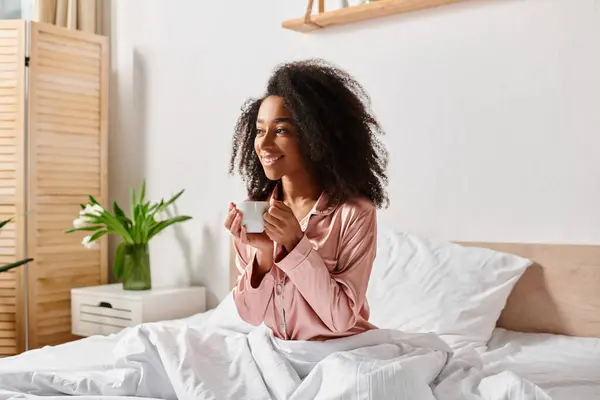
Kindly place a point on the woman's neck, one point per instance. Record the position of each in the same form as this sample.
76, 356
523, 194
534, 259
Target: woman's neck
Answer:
299, 190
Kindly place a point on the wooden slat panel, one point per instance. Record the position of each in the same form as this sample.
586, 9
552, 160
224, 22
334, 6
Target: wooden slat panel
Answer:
8, 284
8, 342
7, 326
7, 233
76, 262
72, 100
8, 292
68, 75
12, 190
60, 258
90, 270
57, 338
6, 351
57, 285
47, 322
45, 191
7, 317
50, 138
70, 162
63, 295
8, 309
48, 167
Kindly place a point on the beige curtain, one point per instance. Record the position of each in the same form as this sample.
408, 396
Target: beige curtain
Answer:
84, 15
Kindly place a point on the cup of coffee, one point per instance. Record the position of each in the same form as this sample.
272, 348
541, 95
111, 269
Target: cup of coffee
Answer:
252, 215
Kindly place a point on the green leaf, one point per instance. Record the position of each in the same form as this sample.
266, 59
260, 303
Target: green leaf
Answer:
152, 210
118, 211
112, 223
138, 222
173, 199
85, 228
98, 235
93, 200
126, 222
163, 224
132, 200
119, 262
93, 218
15, 264
142, 191
6, 221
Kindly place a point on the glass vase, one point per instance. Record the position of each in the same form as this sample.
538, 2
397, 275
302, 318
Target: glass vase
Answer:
136, 267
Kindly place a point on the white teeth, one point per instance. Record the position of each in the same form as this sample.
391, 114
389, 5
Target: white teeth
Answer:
270, 160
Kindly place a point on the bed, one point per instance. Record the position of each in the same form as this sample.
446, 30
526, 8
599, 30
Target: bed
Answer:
549, 331
458, 320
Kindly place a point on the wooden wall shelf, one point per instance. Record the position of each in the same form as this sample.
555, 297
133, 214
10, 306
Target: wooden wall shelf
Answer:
362, 12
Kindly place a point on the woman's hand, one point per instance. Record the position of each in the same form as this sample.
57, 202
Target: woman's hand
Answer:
282, 226
233, 223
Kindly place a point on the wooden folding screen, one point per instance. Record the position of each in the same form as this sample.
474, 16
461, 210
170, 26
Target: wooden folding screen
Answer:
12, 184
50, 160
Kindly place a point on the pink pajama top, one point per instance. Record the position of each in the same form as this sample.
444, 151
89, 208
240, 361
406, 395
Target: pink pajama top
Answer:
318, 290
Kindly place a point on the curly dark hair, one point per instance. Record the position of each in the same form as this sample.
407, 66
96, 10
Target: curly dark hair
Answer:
337, 133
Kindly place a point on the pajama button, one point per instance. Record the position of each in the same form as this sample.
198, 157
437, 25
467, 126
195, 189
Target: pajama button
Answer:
278, 288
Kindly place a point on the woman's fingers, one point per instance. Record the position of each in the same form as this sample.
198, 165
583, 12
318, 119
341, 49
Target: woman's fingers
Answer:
236, 225
272, 220
260, 241
279, 213
272, 229
244, 235
280, 205
230, 216
271, 232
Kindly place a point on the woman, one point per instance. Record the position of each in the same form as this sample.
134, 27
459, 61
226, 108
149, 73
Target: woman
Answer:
309, 146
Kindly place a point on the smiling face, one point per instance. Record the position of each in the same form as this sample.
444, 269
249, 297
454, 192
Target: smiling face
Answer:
276, 142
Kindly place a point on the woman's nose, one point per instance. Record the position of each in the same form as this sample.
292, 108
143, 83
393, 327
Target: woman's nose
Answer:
266, 141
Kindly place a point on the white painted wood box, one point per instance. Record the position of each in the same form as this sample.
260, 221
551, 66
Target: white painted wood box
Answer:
106, 309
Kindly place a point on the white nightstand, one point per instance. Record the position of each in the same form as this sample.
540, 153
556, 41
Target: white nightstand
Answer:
106, 309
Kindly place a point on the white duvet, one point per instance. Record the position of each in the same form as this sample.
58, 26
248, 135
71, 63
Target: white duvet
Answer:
179, 361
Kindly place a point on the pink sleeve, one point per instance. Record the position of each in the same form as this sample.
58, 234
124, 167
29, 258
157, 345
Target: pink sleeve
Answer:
336, 297
251, 302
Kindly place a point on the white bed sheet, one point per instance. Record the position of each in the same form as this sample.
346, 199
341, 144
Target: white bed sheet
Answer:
98, 348
169, 360
567, 368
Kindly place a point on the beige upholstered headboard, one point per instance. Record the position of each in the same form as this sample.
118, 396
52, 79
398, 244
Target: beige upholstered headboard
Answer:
559, 293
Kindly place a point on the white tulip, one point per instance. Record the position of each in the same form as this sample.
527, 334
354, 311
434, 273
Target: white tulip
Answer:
79, 222
93, 209
90, 209
86, 210
87, 242
97, 210
159, 216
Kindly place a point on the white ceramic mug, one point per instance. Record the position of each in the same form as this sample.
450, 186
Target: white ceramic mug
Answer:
252, 215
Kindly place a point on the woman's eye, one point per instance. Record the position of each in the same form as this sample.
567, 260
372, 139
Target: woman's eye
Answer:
260, 131
281, 131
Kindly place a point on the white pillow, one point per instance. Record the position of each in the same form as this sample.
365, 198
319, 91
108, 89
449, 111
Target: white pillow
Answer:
226, 316
458, 292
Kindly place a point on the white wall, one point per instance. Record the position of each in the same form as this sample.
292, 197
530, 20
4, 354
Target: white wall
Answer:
490, 108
